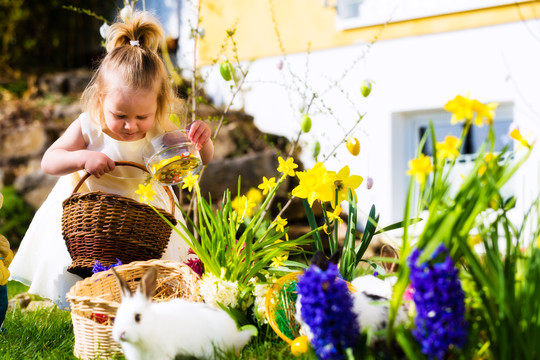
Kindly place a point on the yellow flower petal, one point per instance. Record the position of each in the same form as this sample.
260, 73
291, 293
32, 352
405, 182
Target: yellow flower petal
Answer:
146, 193
420, 168
286, 167
190, 181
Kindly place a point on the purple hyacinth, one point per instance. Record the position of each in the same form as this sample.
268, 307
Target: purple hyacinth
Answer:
326, 307
440, 304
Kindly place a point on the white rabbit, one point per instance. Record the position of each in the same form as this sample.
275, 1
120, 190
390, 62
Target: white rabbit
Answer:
148, 330
371, 299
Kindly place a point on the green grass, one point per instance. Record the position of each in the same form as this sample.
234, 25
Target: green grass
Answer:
47, 333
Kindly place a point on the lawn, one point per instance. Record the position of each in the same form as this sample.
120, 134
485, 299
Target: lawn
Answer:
47, 333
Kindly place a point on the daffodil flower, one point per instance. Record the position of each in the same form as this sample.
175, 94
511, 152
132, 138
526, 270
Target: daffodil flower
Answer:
461, 109
334, 215
326, 230
483, 111
344, 182
267, 185
488, 158
420, 168
254, 196
516, 135
315, 183
146, 193
243, 205
280, 224
286, 167
279, 260
190, 181
449, 148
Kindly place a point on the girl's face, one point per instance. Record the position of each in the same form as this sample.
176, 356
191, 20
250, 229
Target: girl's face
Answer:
128, 113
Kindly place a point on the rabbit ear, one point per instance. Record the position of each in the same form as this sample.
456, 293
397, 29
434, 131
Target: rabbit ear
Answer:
125, 290
148, 283
334, 259
389, 252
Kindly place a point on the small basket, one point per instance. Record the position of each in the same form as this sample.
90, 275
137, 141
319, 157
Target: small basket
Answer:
109, 227
95, 300
280, 305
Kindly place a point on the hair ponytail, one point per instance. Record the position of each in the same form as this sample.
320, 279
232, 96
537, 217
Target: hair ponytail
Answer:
140, 26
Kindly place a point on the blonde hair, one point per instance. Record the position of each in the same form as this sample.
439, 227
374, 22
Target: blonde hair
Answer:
139, 66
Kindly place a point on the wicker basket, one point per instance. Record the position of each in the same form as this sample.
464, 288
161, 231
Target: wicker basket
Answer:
280, 306
94, 302
109, 227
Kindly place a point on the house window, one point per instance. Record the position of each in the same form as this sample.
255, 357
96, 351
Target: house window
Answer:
474, 138
419, 125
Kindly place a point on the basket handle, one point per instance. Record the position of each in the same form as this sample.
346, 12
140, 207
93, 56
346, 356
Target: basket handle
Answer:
132, 164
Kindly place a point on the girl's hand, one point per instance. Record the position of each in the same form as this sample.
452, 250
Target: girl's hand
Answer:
98, 164
199, 133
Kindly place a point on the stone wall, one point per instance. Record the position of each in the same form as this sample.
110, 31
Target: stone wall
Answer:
28, 126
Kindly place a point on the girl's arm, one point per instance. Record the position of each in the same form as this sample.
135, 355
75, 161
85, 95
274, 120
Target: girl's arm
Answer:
68, 154
199, 133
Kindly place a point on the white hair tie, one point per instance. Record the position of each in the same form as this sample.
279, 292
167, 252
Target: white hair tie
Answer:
134, 42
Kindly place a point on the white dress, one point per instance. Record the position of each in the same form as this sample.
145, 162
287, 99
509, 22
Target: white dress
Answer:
42, 258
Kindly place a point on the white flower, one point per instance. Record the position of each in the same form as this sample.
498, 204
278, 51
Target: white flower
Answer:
214, 290
103, 30
260, 291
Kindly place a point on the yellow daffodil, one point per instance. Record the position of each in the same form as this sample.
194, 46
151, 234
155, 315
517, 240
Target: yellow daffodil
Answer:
286, 167
344, 182
538, 241
146, 193
267, 185
254, 195
243, 205
315, 183
449, 148
420, 168
516, 135
461, 109
489, 160
335, 214
326, 229
279, 260
483, 112
280, 224
190, 181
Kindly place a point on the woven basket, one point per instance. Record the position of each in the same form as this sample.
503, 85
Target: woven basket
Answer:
94, 302
280, 306
109, 227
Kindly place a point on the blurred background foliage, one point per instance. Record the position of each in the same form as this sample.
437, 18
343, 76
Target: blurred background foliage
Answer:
43, 36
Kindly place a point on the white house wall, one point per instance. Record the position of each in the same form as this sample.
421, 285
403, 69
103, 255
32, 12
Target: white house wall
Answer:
494, 64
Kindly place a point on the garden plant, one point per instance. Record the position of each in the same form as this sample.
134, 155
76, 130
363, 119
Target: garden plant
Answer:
468, 280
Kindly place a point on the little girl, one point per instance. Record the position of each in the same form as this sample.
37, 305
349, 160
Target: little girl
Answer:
126, 104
